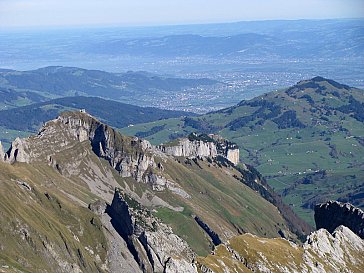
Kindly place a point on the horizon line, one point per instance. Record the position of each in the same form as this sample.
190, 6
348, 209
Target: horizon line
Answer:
156, 25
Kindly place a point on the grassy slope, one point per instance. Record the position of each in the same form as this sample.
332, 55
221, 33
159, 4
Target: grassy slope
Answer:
42, 228
224, 203
288, 155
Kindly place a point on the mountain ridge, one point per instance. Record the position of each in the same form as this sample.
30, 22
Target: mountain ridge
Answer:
302, 137
71, 169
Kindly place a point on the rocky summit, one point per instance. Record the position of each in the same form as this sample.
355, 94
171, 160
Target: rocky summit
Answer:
81, 197
341, 251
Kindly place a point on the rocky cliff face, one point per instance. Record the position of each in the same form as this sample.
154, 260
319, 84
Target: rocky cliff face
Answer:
153, 244
341, 251
233, 155
332, 214
19, 151
2, 154
203, 146
187, 148
131, 157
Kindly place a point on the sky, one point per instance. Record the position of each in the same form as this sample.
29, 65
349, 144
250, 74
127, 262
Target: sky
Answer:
48, 13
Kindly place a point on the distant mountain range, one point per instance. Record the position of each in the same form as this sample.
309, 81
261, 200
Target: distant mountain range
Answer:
285, 49
305, 44
24, 87
307, 140
275, 38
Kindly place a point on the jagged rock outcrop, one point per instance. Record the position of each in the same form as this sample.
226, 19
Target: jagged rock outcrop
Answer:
2, 154
18, 151
153, 244
202, 146
341, 251
119, 258
332, 214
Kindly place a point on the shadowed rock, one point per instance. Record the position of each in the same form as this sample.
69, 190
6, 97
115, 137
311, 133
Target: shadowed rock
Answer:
332, 214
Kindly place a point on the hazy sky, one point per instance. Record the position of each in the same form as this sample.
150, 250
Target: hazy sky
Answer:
159, 12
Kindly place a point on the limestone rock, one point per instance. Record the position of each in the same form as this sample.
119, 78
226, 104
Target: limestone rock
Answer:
130, 156
127, 155
332, 214
18, 151
187, 148
2, 154
203, 146
120, 259
342, 249
153, 243
233, 155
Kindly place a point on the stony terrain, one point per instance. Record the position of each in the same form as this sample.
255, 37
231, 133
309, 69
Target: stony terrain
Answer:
341, 251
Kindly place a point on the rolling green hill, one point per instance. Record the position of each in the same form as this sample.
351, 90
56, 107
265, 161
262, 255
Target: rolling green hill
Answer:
18, 88
307, 140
